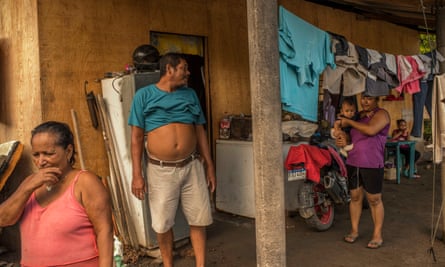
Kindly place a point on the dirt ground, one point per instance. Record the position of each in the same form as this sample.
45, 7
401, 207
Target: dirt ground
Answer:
407, 234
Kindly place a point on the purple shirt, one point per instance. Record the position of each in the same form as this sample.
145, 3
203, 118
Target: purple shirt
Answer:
368, 151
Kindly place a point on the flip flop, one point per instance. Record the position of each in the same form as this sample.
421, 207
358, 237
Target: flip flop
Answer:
350, 238
374, 244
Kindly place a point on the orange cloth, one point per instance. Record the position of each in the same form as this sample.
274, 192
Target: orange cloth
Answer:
58, 234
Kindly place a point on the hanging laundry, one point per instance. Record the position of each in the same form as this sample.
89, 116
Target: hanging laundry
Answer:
329, 111
374, 56
380, 79
341, 46
305, 51
431, 61
362, 56
391, 64
409, 74
348, 72
438, 118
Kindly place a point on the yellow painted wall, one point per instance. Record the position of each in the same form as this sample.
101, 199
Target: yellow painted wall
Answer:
50, 48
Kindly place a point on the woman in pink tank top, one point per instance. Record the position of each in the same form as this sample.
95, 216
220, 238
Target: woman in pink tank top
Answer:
64, 213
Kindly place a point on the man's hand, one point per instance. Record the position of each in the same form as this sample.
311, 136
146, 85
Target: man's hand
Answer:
138, 187
211, 180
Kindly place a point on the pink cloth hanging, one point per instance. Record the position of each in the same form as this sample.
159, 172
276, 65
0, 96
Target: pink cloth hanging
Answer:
409, 74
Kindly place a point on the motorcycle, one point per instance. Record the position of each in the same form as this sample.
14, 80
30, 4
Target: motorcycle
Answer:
322, 171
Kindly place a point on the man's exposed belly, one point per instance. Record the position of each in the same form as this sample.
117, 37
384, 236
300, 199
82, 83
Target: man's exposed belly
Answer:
172, 142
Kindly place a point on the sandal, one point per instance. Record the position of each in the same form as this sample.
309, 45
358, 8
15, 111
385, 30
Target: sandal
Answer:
350, 238
374, 244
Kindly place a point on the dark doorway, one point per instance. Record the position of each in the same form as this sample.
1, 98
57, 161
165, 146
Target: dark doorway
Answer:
192, 48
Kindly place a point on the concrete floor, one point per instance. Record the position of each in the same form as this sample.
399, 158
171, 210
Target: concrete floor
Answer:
409, 220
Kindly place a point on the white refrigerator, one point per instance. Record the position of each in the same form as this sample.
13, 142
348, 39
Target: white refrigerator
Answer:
118, 93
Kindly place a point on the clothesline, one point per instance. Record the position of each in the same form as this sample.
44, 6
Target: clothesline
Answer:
306, 52
361, 69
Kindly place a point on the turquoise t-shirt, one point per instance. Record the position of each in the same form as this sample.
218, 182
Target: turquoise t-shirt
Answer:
305, 50
152, 108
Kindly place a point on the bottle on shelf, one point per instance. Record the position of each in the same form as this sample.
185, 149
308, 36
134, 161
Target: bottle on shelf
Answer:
224, 127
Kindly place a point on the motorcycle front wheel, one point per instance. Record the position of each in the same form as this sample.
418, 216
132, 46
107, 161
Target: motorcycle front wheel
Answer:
323, 210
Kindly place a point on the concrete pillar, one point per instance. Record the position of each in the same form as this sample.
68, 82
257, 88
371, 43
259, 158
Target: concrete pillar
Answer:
267, 135
440, 42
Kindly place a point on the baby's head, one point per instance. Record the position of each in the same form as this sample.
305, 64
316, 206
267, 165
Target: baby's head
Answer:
347, 108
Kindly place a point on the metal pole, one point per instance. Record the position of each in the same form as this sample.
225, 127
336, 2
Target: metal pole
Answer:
440, 33
267, 135
440, 41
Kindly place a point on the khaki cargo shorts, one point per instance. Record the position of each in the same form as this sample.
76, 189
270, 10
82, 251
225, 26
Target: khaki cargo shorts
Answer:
169, 185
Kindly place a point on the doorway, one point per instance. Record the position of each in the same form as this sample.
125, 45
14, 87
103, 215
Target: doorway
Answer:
192, 47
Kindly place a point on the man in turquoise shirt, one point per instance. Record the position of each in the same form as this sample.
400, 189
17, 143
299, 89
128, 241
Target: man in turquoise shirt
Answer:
180, 167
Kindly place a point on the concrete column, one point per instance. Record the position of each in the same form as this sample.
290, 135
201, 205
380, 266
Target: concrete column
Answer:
267, 135
440, 42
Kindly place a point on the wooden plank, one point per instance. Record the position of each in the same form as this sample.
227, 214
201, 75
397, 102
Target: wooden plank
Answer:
10, 153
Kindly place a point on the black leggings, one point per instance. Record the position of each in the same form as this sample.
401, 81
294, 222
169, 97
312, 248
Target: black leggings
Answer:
371, 179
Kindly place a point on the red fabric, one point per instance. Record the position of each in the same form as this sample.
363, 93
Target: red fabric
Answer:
313, 157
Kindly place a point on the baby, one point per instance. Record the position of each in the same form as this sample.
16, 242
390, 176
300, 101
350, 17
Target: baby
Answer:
349, 111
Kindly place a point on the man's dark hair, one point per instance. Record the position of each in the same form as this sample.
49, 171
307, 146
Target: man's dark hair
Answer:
172, 59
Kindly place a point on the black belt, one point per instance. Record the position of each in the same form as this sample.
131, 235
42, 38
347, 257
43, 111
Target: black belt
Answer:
177, 164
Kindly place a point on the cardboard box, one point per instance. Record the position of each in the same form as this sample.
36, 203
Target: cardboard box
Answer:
390, 174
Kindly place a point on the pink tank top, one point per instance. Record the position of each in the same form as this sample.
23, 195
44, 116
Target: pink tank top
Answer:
58, 234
